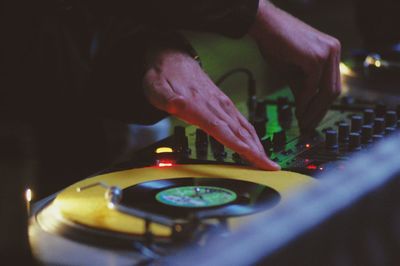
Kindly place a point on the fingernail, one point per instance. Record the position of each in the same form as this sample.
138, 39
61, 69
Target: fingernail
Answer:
276, 165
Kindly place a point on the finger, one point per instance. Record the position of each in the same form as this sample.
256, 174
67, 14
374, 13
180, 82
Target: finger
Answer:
330, 88
250, 134
212, 123
240, 132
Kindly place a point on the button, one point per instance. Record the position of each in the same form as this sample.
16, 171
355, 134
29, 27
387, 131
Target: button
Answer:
331, 139
344, 131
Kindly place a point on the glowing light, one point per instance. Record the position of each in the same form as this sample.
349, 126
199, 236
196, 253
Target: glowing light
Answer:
164, 150
345, 70
308, 145
378, 63
165, 164
321, 169
28, 195
312, 167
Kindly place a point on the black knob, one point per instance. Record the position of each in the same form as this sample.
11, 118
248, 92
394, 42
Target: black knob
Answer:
285, 113
267, 144
260, 119
261, 110
366, 134
217, 149
379, 126
281, 101
181, 142
380, 110
389, 130
355, 141
369, 116
398, 110
377, 137
344, 131
398, 124
391, 119
331, 139
201, 144
356, 123
260, 127
279, 139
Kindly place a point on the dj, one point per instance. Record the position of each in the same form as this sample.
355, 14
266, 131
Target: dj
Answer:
66, 67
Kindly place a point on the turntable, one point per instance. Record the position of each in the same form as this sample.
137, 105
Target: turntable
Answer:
141, 214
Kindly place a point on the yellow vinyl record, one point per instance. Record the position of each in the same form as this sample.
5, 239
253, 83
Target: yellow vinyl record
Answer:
85, 203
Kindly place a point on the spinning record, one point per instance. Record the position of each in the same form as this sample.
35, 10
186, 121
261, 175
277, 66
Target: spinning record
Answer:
148, 197
189, 197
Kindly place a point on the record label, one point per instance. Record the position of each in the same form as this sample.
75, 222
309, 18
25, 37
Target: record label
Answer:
196, 196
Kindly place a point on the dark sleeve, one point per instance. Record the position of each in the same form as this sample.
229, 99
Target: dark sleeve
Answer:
116, 89
228, 17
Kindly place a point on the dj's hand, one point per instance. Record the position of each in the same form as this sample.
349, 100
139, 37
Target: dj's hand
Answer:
309, 58
174, 82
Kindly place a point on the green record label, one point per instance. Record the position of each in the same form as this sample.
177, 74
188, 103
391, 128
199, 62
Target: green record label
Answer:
196, 196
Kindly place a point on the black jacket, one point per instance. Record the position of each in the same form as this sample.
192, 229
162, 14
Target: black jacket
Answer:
66, 65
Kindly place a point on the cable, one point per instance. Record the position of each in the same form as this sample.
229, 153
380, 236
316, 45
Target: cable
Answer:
251, 88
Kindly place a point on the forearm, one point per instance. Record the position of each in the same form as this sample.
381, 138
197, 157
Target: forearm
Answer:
228, 17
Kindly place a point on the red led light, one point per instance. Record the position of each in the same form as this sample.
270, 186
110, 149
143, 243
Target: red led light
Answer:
165, 163
312, 167
308, 145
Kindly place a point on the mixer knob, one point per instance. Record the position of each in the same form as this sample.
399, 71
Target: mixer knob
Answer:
285, 116
379, 126
281, 101
356, 123
267, 144
261, 110
201, 144
181, 142
260, 119
369, 116
260, 127
344, 131
331, 139
389, 130
366, 134
279, 139
218, 149
391, 119
355, 141
377, 138
380, 110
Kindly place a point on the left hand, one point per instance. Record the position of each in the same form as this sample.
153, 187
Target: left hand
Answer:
175, 83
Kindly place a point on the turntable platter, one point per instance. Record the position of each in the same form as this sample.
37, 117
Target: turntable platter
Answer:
89, 208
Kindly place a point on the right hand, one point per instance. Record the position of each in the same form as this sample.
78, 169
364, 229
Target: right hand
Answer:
308, 57
174, 82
